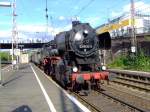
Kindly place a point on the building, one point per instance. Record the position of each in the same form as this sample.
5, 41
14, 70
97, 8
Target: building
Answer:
122, 26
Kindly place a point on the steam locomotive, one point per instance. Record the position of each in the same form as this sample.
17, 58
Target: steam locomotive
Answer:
74, 57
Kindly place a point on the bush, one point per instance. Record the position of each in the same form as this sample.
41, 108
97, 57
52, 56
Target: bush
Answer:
138, 62
5, 56
118, 62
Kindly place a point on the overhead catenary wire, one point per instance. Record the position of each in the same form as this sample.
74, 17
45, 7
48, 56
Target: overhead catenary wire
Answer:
75, 5
84, 7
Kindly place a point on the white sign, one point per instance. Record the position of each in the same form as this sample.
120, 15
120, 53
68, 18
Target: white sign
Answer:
14, 62
16, 52
133, 49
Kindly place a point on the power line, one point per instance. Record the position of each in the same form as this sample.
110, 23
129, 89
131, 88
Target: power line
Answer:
84, 7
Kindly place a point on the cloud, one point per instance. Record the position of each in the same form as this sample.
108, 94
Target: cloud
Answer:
5, 4
74, 18
139, 6
30, 32
31, 28
94, 21
62, 18
42, 28
67, 19
5, 33
5, 23
76, 7
57, 30
115, 14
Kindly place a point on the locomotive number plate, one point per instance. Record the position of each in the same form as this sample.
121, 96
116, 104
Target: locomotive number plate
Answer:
85, 46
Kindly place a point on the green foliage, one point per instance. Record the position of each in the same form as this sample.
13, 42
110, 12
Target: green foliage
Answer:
5, 56
147, 38
118, 62
139, 62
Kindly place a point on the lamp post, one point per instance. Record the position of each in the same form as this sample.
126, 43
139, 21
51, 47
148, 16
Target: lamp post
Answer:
3, 4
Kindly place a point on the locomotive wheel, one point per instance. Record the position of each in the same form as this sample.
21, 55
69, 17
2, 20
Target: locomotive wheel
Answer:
97, 85
89, 86
75, 86
86, 87
53, 72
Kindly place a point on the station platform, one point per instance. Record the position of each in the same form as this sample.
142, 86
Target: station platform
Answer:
30, 90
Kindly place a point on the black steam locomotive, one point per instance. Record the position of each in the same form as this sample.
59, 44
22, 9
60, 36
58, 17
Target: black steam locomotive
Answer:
74, 56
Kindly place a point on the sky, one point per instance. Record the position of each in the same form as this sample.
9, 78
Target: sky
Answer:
31, 14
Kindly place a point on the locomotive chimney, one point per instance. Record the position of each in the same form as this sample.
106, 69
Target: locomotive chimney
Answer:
74, 23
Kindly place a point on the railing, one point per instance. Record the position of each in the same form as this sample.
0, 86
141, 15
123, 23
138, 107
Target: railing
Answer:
128, 32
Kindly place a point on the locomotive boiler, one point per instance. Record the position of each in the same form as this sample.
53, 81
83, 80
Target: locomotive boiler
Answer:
79, 51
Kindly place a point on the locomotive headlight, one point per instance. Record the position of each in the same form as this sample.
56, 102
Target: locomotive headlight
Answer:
78, 36
86, 31
75, 69
103, 67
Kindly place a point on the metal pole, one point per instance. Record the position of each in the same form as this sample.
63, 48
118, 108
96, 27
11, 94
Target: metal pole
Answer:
133, 36
46, 11
1, 82
46, 17
13, 29
104, 57
3, 4
12, 33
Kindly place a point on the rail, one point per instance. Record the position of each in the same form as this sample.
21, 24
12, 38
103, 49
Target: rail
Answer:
95, 109
92, 107
131, 73
134, 79
122, 102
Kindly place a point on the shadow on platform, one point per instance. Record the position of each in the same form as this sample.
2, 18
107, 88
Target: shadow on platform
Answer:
13, 79
23, 108
23, 66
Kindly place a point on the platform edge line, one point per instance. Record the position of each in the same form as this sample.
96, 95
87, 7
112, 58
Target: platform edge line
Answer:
50, 104
73, 99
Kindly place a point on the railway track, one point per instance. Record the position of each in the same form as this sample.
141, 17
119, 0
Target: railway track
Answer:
132, 79
91, 106
129, 97
135, 84
112, 100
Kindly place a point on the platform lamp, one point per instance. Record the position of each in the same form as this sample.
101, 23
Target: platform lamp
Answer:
3, 4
